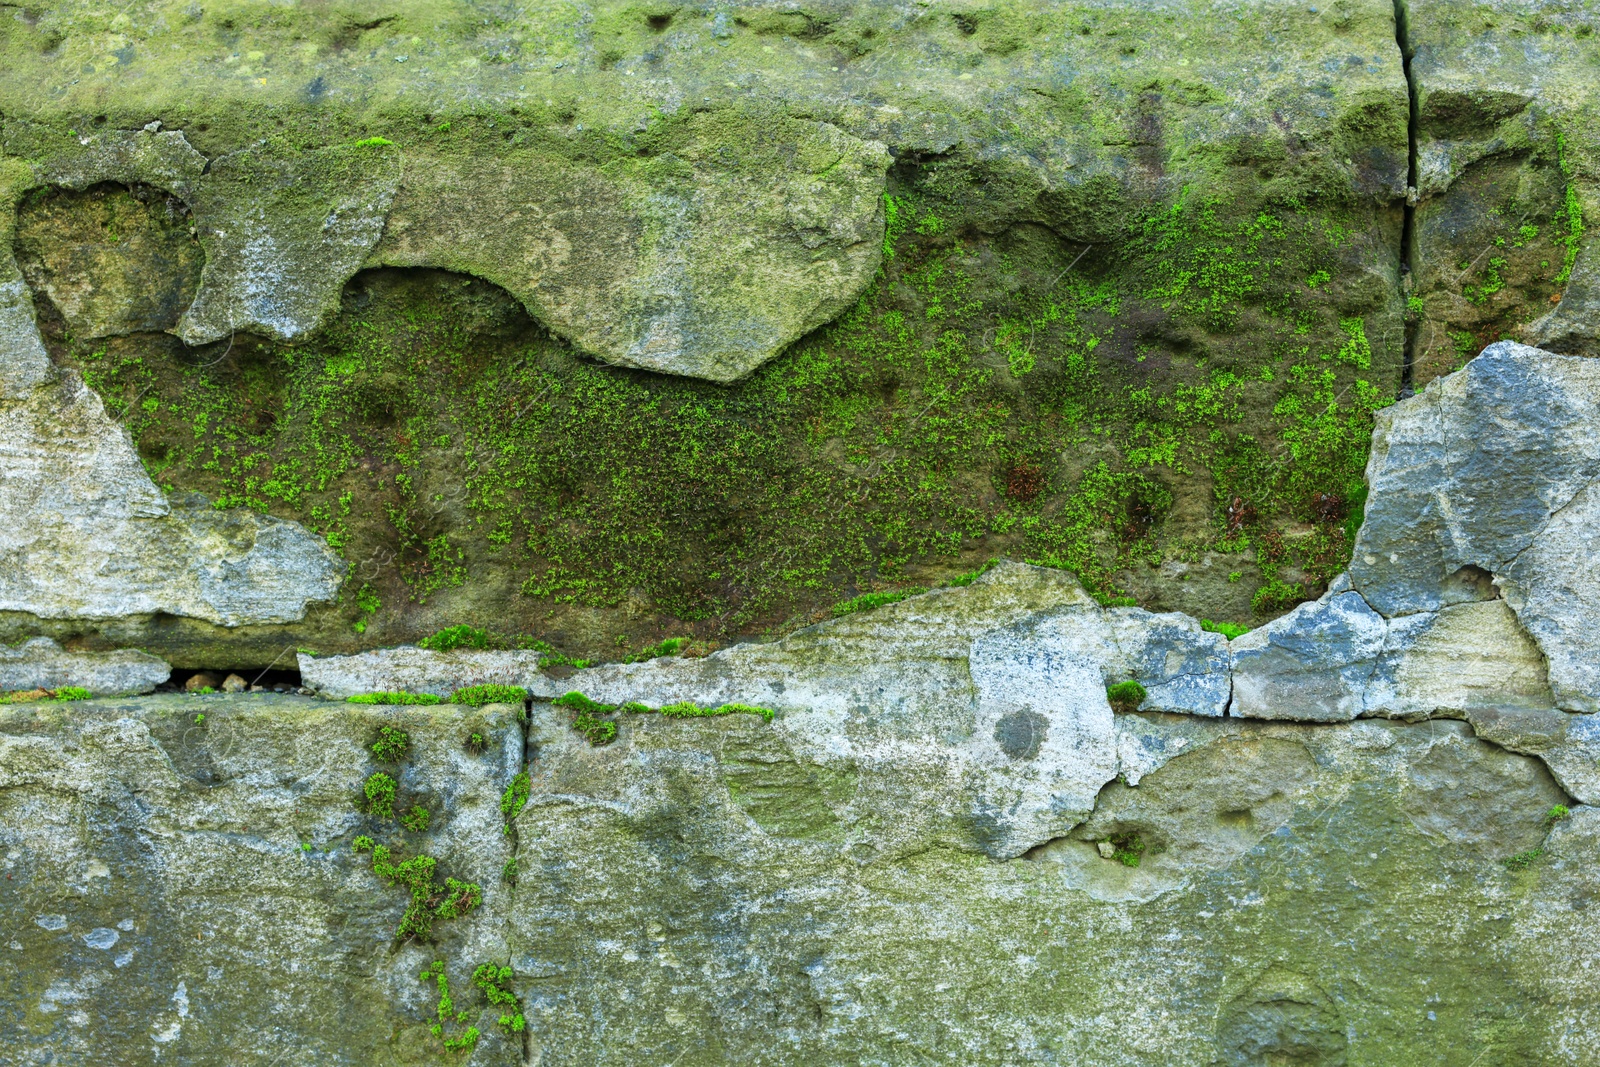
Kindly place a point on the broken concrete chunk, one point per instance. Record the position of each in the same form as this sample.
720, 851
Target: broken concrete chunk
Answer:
283, 235
1182, 667
705, 260
162, 158
1312, 664
1464, 656
1491, 469
87, 534
1554, 587
1568, 744
409, 669
40, 663
1468, 472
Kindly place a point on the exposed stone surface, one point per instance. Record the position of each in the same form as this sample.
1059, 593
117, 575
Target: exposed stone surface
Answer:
753, 231
1491, 469
88, 535
840, 664
1506, 135
409, 669
1336, 659
282, 236
180, 890
1312, 664
693, 864
43, 664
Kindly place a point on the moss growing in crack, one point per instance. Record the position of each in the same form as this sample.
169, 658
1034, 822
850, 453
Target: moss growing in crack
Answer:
868, 601
515, 797
416, 819
1230, 630
27, 696
479, 695
423, 699
588, 717
1125, 696
1523, 860
1127, 849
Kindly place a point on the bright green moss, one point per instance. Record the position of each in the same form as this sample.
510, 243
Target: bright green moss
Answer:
515, 796
1230, 630
391, 745
884, 442
380, 790
424, 699
454, 637
868, 601
1125, 696
479, 695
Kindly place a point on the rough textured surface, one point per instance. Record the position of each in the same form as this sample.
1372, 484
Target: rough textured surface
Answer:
1507, 175
43, 664
1491, 470
183, 890
1060, 282
707, 262
688, 905
601, 323
419, 670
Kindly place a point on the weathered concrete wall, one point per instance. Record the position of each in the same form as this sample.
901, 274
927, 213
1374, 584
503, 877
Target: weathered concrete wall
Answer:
1126, 328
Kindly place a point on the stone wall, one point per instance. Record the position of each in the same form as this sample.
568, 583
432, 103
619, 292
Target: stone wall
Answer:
846, 533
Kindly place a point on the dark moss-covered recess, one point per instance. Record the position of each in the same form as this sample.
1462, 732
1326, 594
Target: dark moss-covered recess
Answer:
1140, 293
1187, 398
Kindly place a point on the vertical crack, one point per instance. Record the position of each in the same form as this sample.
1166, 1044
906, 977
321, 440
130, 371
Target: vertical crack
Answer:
1408, 242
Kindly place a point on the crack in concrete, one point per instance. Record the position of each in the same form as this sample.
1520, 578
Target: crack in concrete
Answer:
1402, 37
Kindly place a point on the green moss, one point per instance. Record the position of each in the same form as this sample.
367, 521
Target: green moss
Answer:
1127, 849
1569, 220
430, 901
424, 699
1230, 630
868, 601
380, 791
479, 695
454, 637
28, 696
447, 1016
1126, 696
416, 819
391, 745
671, 646
516, 796
1523, 860
492, 980
1556, 814
588, 715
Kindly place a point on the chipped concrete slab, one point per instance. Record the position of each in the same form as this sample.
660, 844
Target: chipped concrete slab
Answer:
40, 663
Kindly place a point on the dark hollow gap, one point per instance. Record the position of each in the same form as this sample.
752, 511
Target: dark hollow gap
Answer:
1402, 35
276, 679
